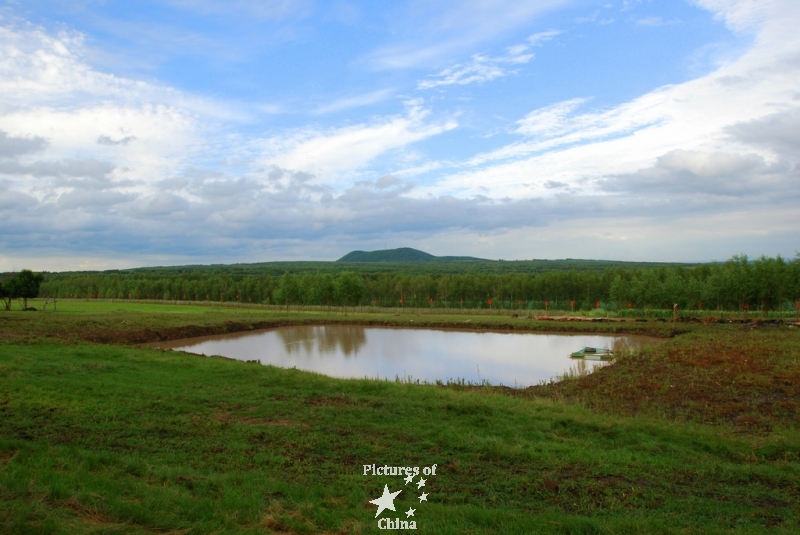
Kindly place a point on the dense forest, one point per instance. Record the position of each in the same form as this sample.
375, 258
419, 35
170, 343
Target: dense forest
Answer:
441, 267
740, 283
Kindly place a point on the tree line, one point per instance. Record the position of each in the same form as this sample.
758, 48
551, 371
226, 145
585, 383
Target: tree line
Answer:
442, 267
740, 283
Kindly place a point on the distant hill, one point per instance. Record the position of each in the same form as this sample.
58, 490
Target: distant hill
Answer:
403, 254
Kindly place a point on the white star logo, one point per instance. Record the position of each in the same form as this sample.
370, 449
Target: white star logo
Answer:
422, 498
386, 501
420, 483
410, 512
409, 478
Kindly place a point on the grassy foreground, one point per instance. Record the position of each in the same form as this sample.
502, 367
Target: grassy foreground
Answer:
111, 438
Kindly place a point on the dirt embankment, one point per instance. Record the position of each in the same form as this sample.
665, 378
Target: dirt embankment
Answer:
148, 335
133, 329
747, 376
151, 335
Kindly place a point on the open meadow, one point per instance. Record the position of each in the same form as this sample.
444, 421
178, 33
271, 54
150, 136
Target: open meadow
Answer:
101, 434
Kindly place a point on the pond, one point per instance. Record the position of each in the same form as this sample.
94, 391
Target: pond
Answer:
349, 351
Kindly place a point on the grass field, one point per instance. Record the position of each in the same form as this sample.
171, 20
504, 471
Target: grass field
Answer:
697, 435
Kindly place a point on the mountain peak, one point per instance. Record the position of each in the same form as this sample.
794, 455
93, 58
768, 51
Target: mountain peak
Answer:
403, 254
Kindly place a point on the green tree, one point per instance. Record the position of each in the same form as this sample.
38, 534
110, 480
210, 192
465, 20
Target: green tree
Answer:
323, 292
403, 287
289, 290
461, 289
770, 281
5, 295
738, 283
349, 289
443, 289
792, 281
424, 288
621, 292
648, 290
24, 286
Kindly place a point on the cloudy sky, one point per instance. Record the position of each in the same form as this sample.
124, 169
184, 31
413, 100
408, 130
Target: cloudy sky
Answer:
200, 131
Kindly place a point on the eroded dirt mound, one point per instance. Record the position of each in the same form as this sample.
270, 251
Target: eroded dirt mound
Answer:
748, 377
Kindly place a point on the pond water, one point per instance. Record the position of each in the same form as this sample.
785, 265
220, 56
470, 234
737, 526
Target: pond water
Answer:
427, 355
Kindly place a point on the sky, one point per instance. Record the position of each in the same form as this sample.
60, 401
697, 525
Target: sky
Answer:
167, 132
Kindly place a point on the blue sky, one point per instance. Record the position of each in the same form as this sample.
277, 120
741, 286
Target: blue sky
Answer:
195, 131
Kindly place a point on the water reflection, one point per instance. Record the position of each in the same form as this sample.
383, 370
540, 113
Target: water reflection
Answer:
346, 339
511, 359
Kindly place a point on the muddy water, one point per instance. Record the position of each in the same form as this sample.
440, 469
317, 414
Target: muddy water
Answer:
511, 359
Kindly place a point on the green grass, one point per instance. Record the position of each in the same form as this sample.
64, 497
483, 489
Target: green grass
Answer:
106, 438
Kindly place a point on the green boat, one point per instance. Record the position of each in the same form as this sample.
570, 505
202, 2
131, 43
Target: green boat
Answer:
593, 353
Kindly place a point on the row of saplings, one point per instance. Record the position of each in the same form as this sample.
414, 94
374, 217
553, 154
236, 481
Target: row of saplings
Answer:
22, 286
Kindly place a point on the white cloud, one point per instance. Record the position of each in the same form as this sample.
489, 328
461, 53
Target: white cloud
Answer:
548, 130
705, 176
650, 21
778, 133
108, 140
52, 94
480, 69
706, 115
92, 200
354, 102
329, 153
40, 69
484, 68
262, 9
106, 163
538, 39
550, 120
17, 146
450, 28
61, 168
663, 237
710, 165
743, 15
155, 205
